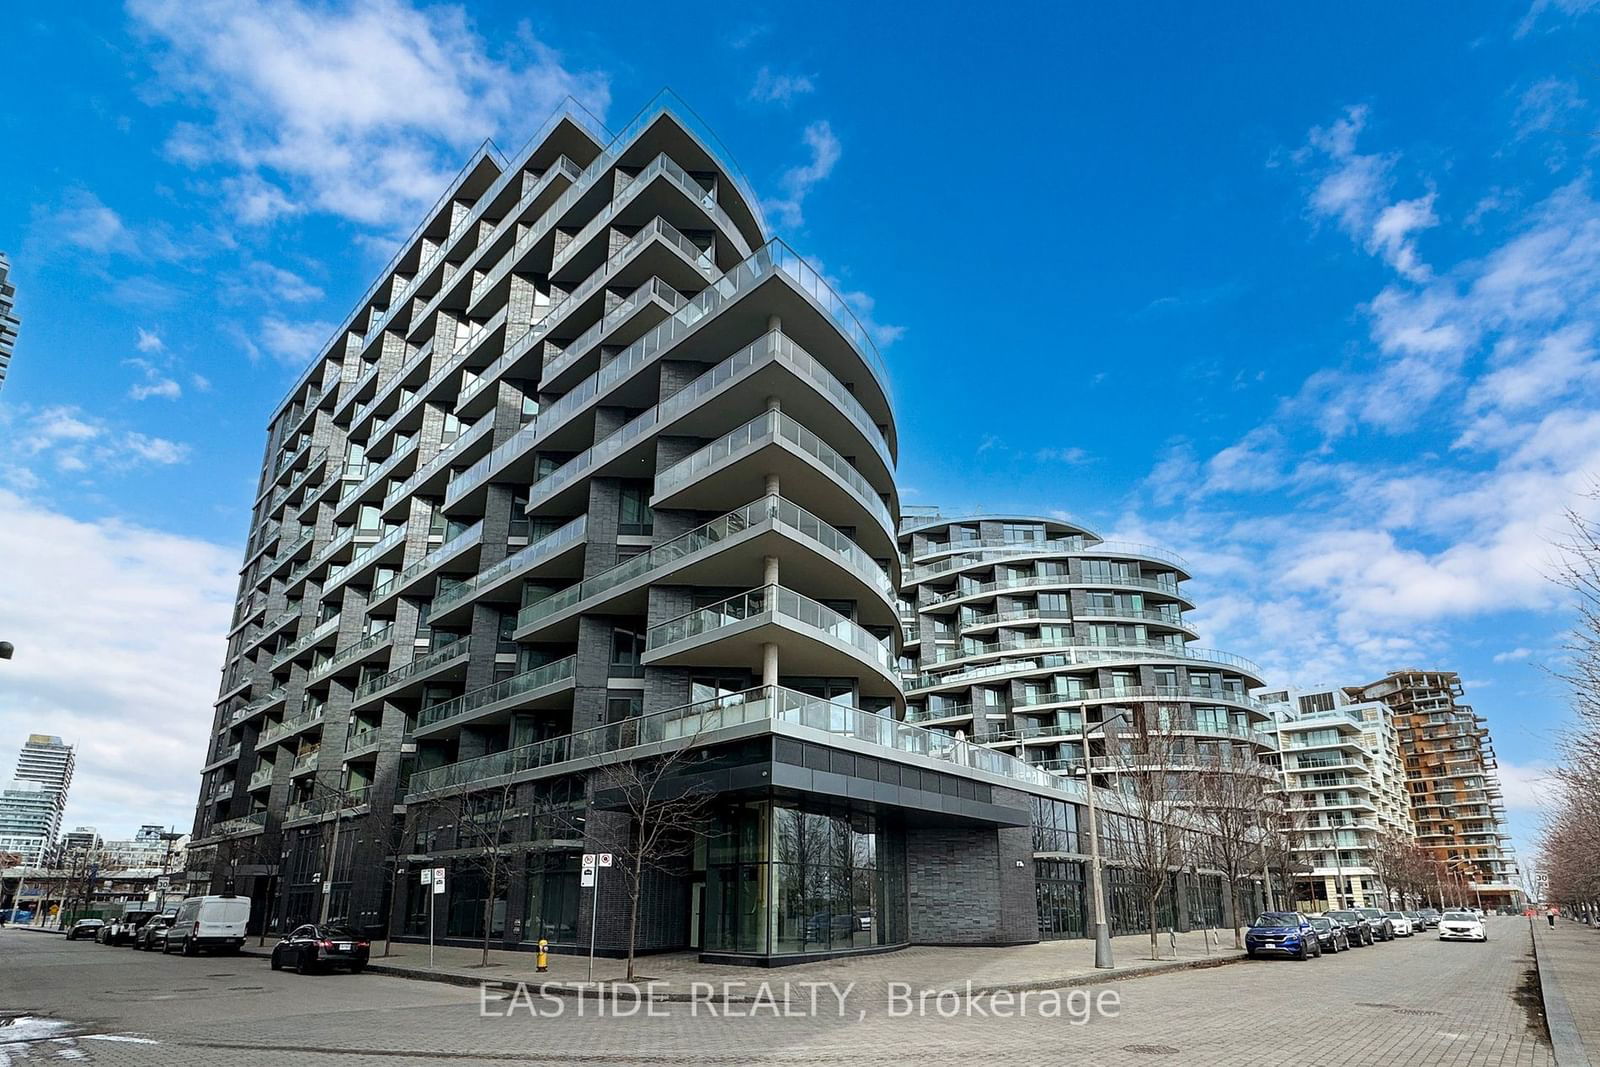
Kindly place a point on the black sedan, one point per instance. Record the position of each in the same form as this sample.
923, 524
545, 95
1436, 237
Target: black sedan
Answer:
1356, 927
85, 928
1382, 925
1330, 935
311, 948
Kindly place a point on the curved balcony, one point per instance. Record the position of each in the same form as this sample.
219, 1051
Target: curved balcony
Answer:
556, 555
719, 552
446, 663
815, 640
738, 463
549, 686
768, 709
282, 731
967, 555
327, 630
1056, 582
1136, 693
1089, 656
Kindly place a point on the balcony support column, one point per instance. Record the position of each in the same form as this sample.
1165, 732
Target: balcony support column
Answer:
769, 574
769, 663
772, 485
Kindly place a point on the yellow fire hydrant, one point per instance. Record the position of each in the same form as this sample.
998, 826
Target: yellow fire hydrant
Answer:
543, 958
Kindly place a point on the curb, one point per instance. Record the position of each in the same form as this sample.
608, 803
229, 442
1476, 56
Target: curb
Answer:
581, 990
1565, 1042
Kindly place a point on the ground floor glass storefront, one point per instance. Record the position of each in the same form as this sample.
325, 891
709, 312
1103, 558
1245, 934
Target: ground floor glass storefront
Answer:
783, 878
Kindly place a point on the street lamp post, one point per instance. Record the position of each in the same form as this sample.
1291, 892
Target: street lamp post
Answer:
1102, 931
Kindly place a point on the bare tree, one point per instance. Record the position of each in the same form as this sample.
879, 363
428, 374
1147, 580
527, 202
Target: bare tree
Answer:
667, 813
1145, 759
484, 823
1230, 798
1283, 838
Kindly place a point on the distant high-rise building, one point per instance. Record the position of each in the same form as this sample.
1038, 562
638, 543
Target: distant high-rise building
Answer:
8, 320
1451, 776
82, 839
48, 761
28, 818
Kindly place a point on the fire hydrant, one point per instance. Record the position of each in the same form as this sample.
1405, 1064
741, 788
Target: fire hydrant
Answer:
542, 960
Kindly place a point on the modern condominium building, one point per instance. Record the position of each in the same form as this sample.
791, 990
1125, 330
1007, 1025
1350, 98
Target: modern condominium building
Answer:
31, 806
1036, 637
9, 323
1456, 803
1342, 775
597, 472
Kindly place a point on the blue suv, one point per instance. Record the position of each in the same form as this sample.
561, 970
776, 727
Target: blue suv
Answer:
1282, 933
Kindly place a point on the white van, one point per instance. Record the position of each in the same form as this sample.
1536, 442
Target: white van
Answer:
216, 923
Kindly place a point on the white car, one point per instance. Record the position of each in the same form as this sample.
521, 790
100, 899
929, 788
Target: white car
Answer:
1402, 925
1462, 926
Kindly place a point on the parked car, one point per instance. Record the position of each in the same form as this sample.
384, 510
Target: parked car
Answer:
1284, 933
1433, 915
1330, 934
104, 931
85, 928
1356, 926
1462, 926
312, 948
1401, 924
1382, 925
153, 934
1419, 921
214, 923
121, 931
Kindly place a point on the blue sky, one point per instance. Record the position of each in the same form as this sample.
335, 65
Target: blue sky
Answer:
1310, 295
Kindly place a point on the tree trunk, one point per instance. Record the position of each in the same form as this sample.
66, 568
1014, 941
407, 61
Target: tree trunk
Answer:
488, 906
1155, 944
633, 908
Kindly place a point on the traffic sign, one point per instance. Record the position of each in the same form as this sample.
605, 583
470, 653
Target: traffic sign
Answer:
427, 876
605, 859
588, 859
586, 878
438, 880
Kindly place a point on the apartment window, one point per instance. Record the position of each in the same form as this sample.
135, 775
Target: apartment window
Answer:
504, 643
1314, 702
369, 519
452, 428
626, 648
621, 708
634, 517
1055, 604
530, 408
519, 525
1023, 532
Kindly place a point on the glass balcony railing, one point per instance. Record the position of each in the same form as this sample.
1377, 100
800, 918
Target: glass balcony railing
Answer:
779, 602
245, 824
769, 426
1035, 581
775, 509
289, 727
262, 776
699, 723
367, 555
457, 540
1077, 657
515, 686
522, 558
321, 632
421, 665
377, 639
654, 289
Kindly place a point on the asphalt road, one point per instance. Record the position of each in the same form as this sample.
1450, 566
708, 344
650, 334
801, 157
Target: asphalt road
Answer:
1414, 1001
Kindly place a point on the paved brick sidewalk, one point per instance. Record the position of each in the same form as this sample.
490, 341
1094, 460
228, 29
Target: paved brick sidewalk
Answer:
1045, 965
1569, 971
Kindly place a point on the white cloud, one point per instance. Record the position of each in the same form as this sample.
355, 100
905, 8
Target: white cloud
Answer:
1353, 189
294, 343
149, 341
1527, 786
1072, 457
797, 182
779, 88
1513, 655
165, 388
76, 443
138, 652
85, 221
300, 99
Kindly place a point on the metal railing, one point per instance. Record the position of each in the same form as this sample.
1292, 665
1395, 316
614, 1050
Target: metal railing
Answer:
518, 560
559, 671
777, 601
453, 650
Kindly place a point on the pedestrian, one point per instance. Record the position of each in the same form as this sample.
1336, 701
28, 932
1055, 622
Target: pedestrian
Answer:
1550, 914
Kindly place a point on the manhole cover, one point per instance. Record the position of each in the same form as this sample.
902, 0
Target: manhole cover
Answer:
1417, 1011
1374, 1004
1151, 1050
